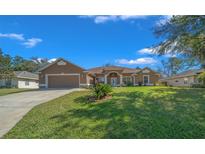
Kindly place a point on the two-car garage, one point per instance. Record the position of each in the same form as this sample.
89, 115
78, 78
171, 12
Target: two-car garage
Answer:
62, 74
63, 81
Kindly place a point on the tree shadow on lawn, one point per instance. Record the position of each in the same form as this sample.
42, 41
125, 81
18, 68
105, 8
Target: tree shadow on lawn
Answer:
158, 113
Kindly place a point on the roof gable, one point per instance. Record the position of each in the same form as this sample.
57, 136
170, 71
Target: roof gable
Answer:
147, 70
59, 61
101, 70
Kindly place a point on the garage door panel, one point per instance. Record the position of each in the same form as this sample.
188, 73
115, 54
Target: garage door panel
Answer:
63, 81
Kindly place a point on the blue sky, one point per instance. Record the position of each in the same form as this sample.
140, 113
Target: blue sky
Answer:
88, 41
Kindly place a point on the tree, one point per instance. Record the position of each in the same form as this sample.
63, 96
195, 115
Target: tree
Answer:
171, 66
17, 63
21, 64
6, 71
41, 62
201, 78
182, 35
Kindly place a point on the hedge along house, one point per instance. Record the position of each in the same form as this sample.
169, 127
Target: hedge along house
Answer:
62, 74
122, 76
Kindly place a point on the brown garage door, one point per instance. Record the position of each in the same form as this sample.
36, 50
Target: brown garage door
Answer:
63, 81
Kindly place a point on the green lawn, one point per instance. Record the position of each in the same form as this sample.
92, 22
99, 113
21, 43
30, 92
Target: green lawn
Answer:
6, 91
133, 112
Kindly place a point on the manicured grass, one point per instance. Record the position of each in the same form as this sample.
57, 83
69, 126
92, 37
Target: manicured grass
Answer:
133, 112
6, 91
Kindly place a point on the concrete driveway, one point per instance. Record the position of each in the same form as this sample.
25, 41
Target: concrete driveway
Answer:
14, 106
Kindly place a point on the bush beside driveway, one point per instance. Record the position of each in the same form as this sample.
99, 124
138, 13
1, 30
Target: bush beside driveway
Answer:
133, 112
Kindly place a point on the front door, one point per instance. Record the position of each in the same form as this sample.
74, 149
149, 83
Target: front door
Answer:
114, 82
146, 80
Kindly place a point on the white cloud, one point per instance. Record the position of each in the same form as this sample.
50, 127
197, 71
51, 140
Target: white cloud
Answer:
41, 60
146, 51
163, 20
103, 19
151, 51
30, 43
52, 60
19, 37
113, 18
146, 60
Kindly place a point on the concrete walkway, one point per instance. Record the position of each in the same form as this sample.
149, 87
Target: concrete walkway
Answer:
14, 106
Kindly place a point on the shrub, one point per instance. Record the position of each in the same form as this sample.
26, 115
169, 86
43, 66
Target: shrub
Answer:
140, 83
101, 90
201, 78
198, 86
129, 84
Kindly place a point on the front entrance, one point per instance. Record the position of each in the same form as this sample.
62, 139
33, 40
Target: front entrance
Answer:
145, 79
114, 82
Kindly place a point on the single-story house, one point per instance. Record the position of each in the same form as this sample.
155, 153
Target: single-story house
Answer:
119, 76
21, 79
64, 74
184, 79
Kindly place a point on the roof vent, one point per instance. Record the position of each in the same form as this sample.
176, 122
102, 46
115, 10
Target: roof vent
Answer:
61, 63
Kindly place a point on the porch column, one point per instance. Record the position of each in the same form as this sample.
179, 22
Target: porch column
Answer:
46, 80
105, 80
134, 80
120, 79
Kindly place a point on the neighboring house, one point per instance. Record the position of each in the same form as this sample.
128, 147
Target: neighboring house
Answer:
21, 79
187, 78
64, 74
120, 76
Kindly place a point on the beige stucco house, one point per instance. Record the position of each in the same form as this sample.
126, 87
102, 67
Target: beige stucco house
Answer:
184, 79
21, 79
120, 76
64, 74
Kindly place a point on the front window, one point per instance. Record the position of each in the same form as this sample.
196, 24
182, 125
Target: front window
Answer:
82, 75
26, 83
127, 79
185, 80
100, 80
146, 79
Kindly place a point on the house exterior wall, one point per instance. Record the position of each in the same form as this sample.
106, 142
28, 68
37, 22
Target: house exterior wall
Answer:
135, 78
20, 83
153, 78
27, 83
181, 81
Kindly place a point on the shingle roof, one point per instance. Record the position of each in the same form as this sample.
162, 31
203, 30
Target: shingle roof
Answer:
100, 70
25, 74
186, 73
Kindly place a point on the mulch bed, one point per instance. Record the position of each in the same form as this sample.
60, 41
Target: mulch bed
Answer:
93, 98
